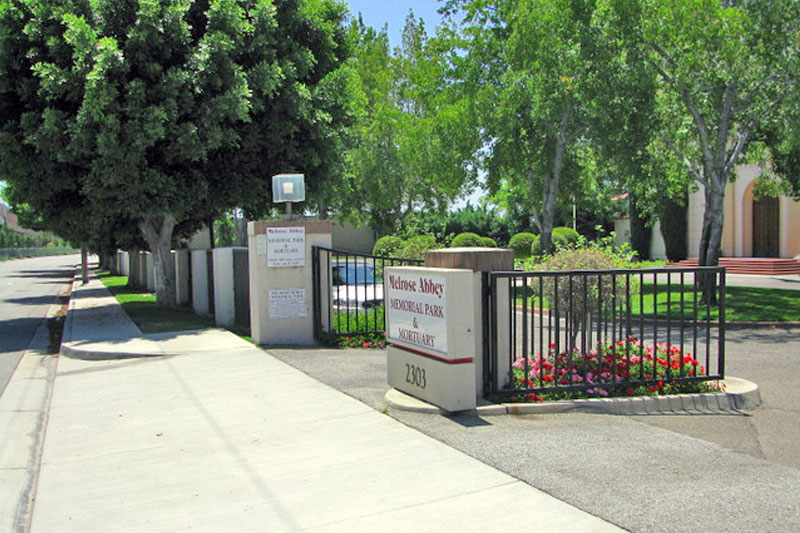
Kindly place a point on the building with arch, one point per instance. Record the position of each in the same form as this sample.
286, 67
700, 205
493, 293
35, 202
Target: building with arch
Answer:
764, 228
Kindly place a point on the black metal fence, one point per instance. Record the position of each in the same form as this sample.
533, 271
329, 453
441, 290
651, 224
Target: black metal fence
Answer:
348, 291
601, 332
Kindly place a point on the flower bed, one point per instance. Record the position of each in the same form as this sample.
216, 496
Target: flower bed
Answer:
624, 368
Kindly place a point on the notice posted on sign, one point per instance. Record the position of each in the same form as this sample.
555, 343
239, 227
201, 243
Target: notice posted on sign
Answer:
417, 310
287, 303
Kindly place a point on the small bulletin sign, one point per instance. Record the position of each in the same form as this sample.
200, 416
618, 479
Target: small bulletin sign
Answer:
286, 247
416, 310
287, 303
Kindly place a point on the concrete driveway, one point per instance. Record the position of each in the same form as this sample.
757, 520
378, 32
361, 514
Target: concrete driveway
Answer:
673, 472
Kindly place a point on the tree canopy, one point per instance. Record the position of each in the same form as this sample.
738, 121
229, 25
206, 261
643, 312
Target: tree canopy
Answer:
165, 112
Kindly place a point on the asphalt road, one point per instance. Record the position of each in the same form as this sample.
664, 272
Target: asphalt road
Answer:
27, 289
671, 472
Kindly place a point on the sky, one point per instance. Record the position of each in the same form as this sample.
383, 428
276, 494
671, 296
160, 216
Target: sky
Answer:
376, 13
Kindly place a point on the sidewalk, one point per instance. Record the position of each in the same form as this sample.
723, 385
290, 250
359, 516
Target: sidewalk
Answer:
204, 431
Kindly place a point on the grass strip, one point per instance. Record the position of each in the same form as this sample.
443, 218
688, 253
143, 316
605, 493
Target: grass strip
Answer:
144, 311
742, 304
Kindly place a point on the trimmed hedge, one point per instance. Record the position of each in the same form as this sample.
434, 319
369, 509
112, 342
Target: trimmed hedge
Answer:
521, 244
488, 242
673, 217
415, 247
562, 237
466, 240
388, 246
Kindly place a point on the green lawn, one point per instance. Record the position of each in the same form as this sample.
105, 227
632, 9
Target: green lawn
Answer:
142, 308
742, 304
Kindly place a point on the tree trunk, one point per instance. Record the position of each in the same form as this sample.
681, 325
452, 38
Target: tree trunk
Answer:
551, 180
84, 265
711, 237
157, 231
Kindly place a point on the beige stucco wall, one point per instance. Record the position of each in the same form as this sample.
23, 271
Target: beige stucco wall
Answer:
737, 238
790, 228
348, 237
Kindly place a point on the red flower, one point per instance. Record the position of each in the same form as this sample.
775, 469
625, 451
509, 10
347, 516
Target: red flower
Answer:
629, 392
548, 378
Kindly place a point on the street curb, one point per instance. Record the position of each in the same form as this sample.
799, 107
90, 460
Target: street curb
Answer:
30, 390
739, 394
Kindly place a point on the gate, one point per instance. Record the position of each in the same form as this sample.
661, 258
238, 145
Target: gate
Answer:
348, 292
602, 331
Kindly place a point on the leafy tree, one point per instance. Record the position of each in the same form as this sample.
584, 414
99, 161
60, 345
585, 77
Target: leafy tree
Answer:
543, 62
723, 68
167, 112
411, 151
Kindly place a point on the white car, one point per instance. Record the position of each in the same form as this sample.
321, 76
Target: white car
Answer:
356, 285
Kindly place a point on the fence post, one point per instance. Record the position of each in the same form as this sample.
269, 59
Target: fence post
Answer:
182, 278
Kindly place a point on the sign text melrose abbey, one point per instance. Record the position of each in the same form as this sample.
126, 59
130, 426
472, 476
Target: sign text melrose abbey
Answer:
417, 310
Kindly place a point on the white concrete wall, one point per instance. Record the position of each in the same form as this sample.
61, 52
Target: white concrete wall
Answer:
125, 265
200, 300
224, 296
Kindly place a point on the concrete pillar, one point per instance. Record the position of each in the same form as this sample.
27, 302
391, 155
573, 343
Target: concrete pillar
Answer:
133, 268
182, 278
143, 271
200, 289
480, 261
281, 288
224, 289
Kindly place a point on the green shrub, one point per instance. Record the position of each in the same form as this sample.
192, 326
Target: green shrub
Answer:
590, 293
388, 246
466, 240
521, 244
673, 218
415, 247
536, 246
641, 234
564, 237
488, 242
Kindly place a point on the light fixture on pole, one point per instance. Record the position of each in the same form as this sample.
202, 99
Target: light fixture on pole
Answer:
288, 188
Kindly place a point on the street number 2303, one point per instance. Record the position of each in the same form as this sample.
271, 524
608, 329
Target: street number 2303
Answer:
416, 376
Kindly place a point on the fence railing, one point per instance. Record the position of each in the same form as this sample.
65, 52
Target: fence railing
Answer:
12, 253
348, 291
604, 331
